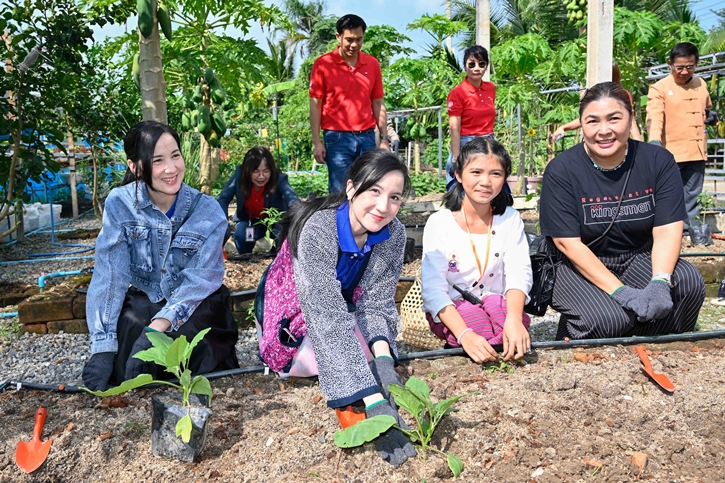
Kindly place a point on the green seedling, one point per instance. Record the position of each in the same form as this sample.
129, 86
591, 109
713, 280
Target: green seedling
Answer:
174, 356
414, 398
705, 202
503, 366
271, 218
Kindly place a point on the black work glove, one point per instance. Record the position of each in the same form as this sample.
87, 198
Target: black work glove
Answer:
711, 117
383, 368
392, 446
633, 299
97, 371
134, 366
656, 142
659, 300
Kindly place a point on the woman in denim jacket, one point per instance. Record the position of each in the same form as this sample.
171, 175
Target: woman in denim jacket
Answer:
159, 266
258, 184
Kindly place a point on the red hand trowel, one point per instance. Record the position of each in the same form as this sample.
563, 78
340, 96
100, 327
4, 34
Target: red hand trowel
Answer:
29, 456
660, 379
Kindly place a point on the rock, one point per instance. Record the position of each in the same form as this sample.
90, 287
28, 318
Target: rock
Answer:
639, 460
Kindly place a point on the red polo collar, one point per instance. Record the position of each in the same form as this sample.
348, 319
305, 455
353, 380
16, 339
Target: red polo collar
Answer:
470, 87
339, 60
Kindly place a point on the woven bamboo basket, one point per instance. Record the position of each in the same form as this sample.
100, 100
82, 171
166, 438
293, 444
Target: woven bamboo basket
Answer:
415, 329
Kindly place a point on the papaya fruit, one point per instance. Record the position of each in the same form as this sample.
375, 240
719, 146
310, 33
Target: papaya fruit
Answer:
136, 71
218, 124
185, 122
410, 123
194, 116
196, 96
209, 75
422, 132
219, 96
145, 11
164, 22
213, 139
579, 15
204, 123
189, 104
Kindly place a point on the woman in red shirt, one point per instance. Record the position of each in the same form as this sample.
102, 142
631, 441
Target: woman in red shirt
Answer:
257, 184
471, 109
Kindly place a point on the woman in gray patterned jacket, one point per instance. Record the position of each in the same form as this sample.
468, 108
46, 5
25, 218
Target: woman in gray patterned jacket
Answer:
331, 239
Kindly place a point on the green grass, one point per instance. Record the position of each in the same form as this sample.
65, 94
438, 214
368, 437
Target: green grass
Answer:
9, 328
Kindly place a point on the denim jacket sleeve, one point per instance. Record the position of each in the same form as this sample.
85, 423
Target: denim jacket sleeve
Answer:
285, 190
227, 194
111, 278
203, 271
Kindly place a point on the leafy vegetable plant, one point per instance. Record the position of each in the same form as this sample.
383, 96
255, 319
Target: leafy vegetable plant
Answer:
705, 202
174, 355
271, 218
414, 398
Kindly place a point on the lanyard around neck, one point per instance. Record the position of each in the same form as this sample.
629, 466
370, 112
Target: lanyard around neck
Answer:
473, 245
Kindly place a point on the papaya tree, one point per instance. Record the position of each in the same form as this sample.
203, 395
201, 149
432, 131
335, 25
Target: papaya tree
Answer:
211, 71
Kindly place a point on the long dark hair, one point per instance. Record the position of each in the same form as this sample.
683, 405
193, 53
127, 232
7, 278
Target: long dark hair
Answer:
487, 146
365, 172
252, 160
139, 144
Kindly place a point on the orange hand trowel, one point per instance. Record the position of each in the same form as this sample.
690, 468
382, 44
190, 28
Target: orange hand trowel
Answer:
29, 456
660, 379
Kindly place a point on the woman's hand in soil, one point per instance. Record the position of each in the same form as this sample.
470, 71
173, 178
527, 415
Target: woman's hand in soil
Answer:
516, 339
392, 446
478, 348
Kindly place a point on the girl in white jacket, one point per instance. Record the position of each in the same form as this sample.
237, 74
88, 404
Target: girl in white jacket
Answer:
477, 244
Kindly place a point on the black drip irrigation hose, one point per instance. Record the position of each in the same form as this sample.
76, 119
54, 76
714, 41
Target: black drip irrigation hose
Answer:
550, 344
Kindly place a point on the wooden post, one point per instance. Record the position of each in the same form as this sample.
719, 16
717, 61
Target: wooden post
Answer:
483, 29
600, 30
72, 168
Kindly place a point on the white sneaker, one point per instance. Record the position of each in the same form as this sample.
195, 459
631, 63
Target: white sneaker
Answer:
719, 301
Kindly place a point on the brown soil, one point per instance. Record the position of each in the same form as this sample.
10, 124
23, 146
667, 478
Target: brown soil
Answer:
556, 418
561, 416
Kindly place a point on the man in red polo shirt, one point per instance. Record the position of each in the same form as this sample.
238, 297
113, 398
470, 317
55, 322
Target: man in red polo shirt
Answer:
346, 102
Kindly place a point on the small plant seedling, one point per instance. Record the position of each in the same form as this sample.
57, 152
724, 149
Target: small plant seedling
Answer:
414, 398
250, 313
503, 366
174, 355
705, 202
271, 218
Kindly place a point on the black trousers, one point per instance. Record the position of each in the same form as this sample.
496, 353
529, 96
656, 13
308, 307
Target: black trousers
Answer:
587, 312
215, 352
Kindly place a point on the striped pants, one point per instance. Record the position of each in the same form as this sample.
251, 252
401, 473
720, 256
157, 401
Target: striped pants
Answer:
587, 312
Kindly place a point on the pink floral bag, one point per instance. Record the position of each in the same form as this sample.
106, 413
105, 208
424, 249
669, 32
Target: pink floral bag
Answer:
281, 329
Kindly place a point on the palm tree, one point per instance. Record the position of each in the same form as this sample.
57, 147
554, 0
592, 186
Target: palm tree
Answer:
280, 63
304, 17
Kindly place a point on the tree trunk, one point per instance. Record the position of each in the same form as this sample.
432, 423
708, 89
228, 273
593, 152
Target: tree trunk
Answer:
206, 166
416, 155
153, 84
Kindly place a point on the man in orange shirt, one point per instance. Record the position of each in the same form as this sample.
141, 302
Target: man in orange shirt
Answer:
346, 102
678, 107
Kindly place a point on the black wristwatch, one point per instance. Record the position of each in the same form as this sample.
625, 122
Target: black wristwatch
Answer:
385, 138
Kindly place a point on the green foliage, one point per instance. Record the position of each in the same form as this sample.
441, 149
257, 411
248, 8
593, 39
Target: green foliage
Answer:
270, 217
174, 356
501, 365
414, 398
384, 42
705, 202
427, 182
305, 183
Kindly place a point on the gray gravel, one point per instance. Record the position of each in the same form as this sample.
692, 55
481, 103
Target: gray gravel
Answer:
59, 358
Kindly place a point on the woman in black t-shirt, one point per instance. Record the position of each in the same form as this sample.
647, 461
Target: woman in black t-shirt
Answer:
629, 281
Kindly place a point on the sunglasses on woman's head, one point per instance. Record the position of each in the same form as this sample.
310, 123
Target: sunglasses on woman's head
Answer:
482, 65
